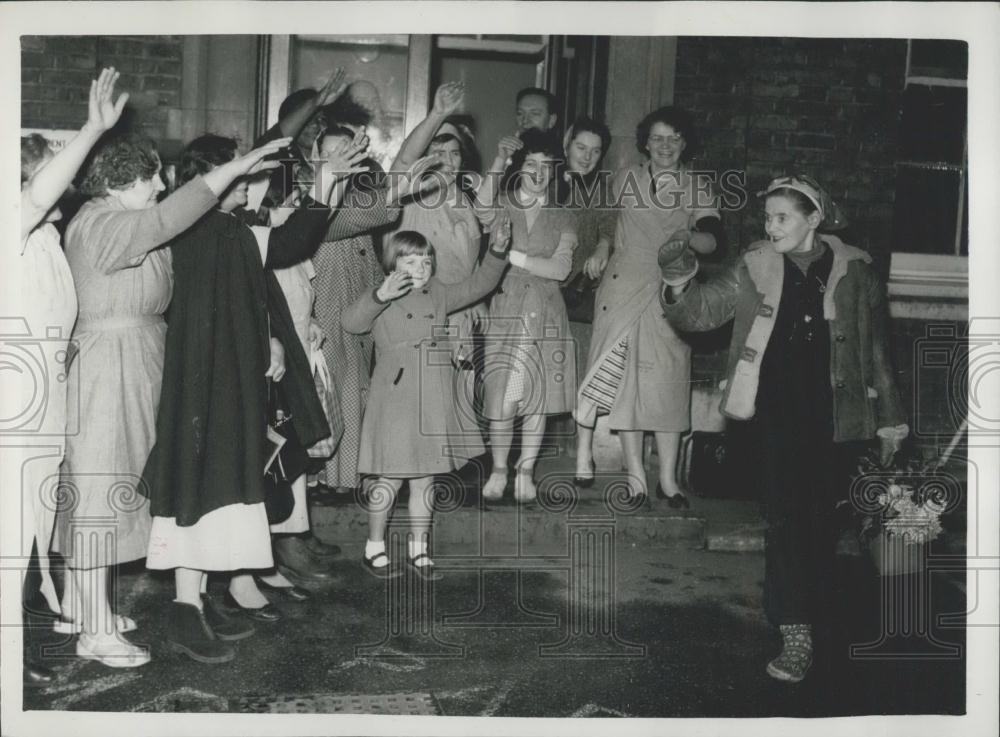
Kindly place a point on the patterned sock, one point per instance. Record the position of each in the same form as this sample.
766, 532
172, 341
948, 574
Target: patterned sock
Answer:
796, 655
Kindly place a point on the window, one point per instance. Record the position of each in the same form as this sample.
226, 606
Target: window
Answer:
930, 226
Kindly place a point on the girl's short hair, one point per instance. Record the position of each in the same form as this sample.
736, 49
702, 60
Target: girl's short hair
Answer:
583, 124
204, 154
535, 142
118, 162
678, 119
406, 243
34, 149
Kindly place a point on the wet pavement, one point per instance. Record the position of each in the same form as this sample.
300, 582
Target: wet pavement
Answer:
629, 629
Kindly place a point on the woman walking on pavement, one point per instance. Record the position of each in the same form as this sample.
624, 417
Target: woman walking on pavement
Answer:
809, 358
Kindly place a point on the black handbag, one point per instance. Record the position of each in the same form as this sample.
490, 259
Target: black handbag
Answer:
579, 295
287, 460
722, 464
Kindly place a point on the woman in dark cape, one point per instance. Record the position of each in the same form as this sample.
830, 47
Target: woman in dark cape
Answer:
230, 343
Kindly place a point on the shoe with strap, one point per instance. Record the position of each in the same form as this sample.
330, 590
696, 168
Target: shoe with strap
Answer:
114, 651
795, 658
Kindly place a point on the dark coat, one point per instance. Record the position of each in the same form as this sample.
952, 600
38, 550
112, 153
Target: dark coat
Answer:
210, 428
865, 397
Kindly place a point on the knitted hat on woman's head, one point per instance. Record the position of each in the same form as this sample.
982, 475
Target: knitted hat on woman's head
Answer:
832, 217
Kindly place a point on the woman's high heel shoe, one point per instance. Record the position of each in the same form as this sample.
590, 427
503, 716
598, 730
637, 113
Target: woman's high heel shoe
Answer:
585, 482
268, 613
677, 501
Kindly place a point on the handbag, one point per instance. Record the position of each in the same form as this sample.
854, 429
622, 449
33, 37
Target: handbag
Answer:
722, 465
579, 295
286, 460
324, 390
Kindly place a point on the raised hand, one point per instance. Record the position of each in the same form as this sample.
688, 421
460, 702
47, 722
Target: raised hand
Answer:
254, 161
219, 178
334, 88
346, 157
448, 99
102, 113
397, 284
507, 147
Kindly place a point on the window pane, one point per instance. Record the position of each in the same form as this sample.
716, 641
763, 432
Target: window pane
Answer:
933, 123
932, 58
925, 211
380, 62
491, 85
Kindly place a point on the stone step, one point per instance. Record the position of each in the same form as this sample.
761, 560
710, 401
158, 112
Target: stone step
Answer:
510, 529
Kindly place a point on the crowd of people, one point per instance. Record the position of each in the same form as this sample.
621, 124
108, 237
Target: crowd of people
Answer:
442, 307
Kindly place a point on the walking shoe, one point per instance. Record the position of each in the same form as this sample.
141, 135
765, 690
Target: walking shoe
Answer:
380, 571
796, 654
425, 570
319, 548
226, 628
291, 593
294, 559
114, 651
268, 614
188, 634
35, 675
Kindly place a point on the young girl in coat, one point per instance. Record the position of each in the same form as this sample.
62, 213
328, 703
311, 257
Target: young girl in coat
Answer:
412, 428
809, 358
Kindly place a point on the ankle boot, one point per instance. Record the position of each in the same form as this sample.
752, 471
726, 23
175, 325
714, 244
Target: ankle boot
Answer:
294, 559
226, 628
796, 654
189, 634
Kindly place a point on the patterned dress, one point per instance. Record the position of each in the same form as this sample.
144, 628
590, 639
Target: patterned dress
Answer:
347, 266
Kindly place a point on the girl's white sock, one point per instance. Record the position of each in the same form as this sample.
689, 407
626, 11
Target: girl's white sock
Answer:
418, 547
374, 548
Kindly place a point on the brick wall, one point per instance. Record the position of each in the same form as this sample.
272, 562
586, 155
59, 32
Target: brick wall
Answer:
826, 107
829, 108
56, 73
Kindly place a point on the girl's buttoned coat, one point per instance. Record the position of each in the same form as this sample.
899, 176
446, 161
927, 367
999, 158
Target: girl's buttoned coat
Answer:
418, 421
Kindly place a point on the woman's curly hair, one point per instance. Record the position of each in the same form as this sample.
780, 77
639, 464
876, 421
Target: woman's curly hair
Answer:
677, 118
535, 142
118, 162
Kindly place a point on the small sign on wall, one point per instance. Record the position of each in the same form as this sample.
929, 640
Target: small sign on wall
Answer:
56, 138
